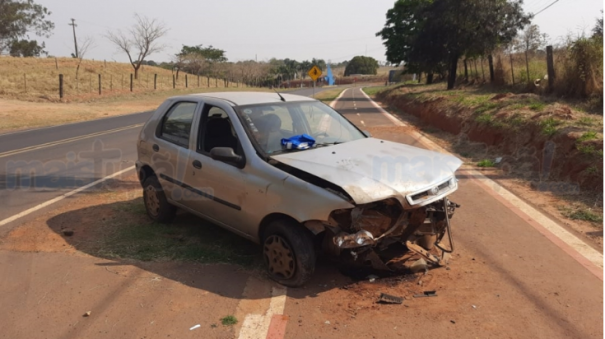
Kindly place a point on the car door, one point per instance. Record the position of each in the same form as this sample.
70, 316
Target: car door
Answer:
171, 146
218, 188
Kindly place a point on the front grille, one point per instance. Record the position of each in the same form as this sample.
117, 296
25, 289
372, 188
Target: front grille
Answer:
423, 197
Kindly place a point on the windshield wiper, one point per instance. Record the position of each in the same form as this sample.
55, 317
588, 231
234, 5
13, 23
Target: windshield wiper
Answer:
328, 143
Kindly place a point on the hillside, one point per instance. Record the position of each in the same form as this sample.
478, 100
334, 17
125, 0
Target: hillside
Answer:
37, 79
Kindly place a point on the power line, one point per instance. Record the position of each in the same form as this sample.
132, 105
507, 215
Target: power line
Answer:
545, 8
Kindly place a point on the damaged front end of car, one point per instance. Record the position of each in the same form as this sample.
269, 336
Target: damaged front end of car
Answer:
391, 236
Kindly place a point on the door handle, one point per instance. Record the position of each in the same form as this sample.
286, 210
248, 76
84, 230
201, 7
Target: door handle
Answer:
197, 164
155, 147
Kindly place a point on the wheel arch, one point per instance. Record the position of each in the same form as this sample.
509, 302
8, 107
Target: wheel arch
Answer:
145, 172
268, 219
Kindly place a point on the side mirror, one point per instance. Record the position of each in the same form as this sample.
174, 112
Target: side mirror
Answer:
367, 134
226, 154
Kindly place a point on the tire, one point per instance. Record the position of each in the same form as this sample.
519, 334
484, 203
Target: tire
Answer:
156, 204
288, 253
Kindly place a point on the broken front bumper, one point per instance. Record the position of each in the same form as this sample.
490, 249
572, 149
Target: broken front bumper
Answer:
385, 236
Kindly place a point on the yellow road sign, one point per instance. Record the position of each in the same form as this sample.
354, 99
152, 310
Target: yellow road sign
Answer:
314, 73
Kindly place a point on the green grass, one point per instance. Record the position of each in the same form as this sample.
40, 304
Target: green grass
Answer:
585, 121
586, 149
486, 106
229, 320
585, 214
587, 136
484, 118
592, 170
187, 239
537, 106
373, 90
549, 126
486, 163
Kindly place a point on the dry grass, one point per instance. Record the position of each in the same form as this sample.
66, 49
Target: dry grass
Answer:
329, 95
16, 114
34, 102
37, 79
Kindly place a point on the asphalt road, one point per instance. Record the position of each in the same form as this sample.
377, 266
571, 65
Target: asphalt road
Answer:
41, 164
508, 278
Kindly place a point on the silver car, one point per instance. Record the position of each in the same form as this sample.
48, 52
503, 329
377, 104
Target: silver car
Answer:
294, 175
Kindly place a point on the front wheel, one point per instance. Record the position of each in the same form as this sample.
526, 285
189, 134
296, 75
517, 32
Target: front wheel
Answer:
288, 253
156, 204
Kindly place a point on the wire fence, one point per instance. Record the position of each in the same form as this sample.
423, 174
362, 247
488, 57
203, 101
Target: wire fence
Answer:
85, 84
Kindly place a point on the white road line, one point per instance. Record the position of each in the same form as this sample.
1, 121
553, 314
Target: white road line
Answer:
256, 326
363, 123
358, 114
570, 239
333, 103
61, 197
68, 140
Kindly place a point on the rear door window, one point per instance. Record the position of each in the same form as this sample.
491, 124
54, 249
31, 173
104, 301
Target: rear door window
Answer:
176, 124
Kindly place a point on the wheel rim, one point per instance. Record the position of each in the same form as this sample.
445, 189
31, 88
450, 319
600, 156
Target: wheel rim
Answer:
279, 257
152, 202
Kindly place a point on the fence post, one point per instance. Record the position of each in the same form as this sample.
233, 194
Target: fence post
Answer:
100, 87
131, 77
198, 80
490, 60
512, 70
56, 64
122, 81
215, 82
482, 71
60, 86
550, 64
186, 81
208, 78
173, 82
155, 81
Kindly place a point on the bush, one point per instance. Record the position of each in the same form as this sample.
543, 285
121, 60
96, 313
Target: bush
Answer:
581, 71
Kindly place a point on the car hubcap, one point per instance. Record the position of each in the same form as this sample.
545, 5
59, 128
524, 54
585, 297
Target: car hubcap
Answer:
279, 257
151, 201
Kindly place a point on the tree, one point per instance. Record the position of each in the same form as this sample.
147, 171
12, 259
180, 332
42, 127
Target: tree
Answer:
85, 45
26, 48
597, 31
18, 18
140, 41
430, 36
362, 65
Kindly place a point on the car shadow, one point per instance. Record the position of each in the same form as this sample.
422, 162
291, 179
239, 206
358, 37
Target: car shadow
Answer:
190, 250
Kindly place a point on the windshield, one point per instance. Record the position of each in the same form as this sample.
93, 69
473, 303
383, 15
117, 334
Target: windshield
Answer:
270, 123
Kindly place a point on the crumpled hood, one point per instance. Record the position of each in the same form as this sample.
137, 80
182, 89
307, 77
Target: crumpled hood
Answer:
372, 169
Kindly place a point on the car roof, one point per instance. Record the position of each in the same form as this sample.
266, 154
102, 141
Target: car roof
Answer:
247, 98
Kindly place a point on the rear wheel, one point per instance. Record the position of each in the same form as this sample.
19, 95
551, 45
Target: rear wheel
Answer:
156, 204
288, 253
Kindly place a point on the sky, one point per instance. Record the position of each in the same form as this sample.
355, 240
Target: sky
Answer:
333, 30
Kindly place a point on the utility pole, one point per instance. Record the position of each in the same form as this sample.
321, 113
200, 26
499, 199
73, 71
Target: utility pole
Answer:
73, 25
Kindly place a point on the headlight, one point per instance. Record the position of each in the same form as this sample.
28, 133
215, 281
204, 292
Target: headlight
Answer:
453, 182
363, 238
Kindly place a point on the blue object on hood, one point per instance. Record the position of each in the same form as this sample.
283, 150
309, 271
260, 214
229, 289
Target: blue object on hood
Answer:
302, 141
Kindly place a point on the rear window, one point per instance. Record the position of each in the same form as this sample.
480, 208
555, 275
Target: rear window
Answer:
176, 125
